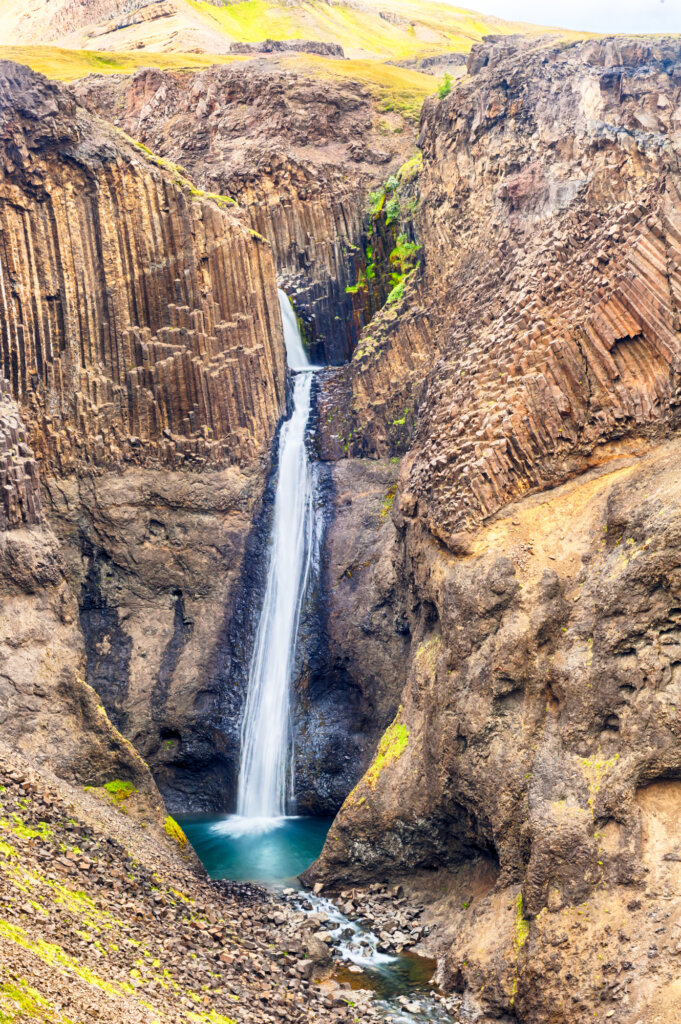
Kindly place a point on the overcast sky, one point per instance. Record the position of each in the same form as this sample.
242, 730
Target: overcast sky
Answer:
591, 15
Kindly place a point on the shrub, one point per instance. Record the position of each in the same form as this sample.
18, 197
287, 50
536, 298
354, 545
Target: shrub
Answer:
445, 86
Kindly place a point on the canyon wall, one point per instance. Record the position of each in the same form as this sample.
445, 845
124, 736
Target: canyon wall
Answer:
47, 710
528, 783
142, 339
298, 150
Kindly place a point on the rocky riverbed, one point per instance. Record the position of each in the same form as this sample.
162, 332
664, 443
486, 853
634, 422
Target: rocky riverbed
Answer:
112, 924
115, 922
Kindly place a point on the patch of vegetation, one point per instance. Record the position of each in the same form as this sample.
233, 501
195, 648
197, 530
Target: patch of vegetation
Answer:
388, 503
67, 65
521, 931
358, 29
404, 261
174, 831
18, 1001
211, 1017
594, 771
120, 790
54, 956
410, 169
445, 86
394, 742
180, 175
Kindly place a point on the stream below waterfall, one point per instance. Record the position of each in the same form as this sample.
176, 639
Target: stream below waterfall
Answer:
274, 857
264, 841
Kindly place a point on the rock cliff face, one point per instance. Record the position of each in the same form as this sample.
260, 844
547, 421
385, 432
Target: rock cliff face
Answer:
47, 710
533, 760
135, 319
141, 335
299, 152
549, 224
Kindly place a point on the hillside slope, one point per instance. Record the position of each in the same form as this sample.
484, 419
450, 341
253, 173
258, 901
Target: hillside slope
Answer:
395, 29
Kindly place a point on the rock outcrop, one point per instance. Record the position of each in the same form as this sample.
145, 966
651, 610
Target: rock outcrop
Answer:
140, 324
549, 297
47, 710
142, 338
289, 46
534, 366
300, 151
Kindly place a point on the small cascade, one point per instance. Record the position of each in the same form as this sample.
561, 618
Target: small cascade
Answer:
265, 776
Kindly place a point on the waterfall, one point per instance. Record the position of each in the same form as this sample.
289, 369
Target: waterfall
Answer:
265, 771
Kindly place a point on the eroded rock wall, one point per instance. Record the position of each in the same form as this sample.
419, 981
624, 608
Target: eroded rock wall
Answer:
528, 781
538, 735
299, 151
142, 338
545, 323
47, 710
140, 324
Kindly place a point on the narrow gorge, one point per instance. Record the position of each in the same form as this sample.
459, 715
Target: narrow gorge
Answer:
340, 526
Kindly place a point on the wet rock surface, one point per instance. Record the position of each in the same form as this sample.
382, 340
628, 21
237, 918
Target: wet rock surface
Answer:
354, 649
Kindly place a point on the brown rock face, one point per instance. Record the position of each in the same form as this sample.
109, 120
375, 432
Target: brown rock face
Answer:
47, 710
534, 760
546, 320
139, 325
538, 735
299, 152
355, 648
141, 335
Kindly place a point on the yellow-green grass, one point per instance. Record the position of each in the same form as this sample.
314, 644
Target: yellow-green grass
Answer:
396, 88
399, 89
67, 65
421, 27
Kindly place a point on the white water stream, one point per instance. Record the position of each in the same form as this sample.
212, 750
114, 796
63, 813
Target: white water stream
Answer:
265, 776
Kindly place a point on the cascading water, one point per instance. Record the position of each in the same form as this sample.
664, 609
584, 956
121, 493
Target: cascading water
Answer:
260, 842
265, 773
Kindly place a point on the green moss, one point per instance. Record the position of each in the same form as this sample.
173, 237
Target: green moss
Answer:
54, 956
394, 742
174, 831
119, 790
66, 65
594, 771
222, 201
210, 1017
18, 1001
521, 930
41, 831
388, 503
410, 170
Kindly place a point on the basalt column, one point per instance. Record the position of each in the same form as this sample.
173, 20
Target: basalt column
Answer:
141, 335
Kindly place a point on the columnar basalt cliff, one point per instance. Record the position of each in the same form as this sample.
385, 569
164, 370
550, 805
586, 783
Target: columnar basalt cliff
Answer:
135, 319
534, 757
549, 221
141, 336
299, 151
